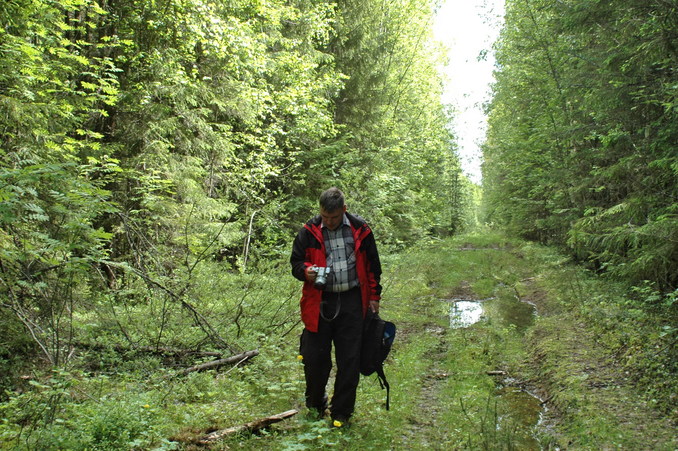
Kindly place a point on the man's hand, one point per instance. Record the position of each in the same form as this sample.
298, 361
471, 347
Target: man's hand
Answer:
374, 306
311, 273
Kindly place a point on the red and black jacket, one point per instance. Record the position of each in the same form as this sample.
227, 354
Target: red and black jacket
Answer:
309, 249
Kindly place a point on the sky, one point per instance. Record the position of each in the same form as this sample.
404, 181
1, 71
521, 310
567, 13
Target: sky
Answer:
467, 28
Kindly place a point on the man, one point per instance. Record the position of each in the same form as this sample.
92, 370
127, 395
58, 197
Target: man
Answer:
334, 313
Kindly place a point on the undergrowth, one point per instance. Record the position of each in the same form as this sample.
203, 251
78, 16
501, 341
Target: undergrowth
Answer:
595, 348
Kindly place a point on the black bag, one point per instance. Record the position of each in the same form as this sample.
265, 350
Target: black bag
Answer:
378, 336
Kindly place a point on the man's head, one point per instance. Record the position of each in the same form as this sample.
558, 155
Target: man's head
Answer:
332, 208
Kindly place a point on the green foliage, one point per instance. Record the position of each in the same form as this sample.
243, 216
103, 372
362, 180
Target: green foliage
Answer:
49, 245
157, 157
145, 145
580, 150
54, 167
590, 333
155, 160
393, 156
52, 416
15, 347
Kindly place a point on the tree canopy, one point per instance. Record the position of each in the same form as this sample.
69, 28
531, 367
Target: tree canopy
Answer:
141, 140
581, 149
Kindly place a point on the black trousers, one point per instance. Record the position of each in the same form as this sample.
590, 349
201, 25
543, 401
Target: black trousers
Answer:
345, 332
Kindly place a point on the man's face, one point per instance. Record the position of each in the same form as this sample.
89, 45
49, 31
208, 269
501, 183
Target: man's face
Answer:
333, 219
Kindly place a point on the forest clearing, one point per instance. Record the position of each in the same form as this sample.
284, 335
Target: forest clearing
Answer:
158, 157
547, 365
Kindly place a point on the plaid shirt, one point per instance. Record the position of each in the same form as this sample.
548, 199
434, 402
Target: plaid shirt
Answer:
340, 247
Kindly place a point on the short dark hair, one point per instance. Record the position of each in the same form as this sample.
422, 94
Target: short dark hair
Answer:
332, 199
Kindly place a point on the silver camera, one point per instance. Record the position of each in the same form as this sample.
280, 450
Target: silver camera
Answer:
321, 276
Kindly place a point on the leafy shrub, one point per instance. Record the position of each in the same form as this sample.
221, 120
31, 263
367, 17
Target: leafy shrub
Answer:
15, 346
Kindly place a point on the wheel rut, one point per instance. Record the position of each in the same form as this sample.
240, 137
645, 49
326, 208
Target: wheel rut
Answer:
421, 428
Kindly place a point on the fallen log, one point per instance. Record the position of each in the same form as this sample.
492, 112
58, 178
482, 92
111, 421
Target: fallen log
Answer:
158, 350
250, 427
178, 352
217, 363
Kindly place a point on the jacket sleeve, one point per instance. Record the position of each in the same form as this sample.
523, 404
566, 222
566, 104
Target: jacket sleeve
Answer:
298, 258
373, 267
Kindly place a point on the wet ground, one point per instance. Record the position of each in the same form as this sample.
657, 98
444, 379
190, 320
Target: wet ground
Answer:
521, 411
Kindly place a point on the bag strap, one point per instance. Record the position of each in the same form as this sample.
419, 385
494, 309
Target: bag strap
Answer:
384, 383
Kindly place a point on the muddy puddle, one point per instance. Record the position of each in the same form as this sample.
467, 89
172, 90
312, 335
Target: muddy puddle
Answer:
464, 313
522, 414
519, 412
510, 311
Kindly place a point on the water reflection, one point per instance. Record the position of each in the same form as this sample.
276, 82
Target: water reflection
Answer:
513, 311
463, 313
518, 411
523, 413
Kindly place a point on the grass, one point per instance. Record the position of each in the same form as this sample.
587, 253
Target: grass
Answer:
442, 396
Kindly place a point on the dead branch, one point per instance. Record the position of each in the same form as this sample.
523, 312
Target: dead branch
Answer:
246, 250
217, 363
496, 373
250, 427
157, 350
177, 352
200, 320
35, 330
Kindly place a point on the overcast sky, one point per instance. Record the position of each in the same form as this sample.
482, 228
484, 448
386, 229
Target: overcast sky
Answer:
467, 28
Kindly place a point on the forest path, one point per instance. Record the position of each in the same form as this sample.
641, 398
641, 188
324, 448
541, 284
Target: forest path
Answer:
419, 431
529, 374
